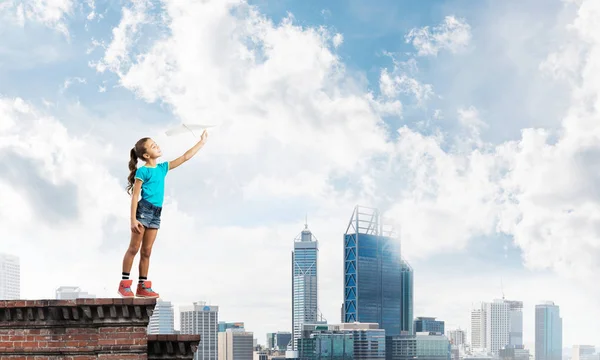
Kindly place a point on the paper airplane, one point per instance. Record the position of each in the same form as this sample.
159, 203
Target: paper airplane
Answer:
180, 129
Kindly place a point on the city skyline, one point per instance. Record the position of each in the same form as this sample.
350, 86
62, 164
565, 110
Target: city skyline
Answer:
472, 126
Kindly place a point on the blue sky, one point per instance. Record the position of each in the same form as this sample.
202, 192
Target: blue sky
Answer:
467, 135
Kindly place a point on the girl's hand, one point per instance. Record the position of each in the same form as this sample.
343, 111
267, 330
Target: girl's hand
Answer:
204, 136
136, 227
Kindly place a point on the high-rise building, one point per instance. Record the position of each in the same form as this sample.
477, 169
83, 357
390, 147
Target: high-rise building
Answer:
478, 326
406, 311
418, 346
584, 352
72, 292
457, 337
202, 319
162, 320
304, 282
496, 325
236, 344
548, 332
10, 277
372, 273
515, 314
497, 332
429, 324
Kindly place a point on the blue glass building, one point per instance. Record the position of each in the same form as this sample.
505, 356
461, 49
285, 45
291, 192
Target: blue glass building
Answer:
406, 316
304, 283
429, 324
372, 273
548, 332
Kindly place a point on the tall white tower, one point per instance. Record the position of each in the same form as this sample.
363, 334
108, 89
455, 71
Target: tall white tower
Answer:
10, 277
496, 325
304, 282
162, 320
202, 319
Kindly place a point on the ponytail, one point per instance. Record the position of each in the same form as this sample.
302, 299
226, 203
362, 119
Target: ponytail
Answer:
133, 159
137, 152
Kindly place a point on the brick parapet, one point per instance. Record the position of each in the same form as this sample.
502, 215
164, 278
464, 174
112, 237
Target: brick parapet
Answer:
79, 329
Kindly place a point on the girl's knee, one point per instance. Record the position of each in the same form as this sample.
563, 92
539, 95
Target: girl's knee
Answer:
145, 253
132, 250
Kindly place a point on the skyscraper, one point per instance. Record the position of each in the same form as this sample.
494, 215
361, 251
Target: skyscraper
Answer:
304, 282
478, 326
497, 331
162, 320
497, 325
548, 332
406, 316
202, 319
372, 273
10, 277
515, 314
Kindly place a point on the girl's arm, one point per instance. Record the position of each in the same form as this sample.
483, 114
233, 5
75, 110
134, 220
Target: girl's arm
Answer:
190, 153
135, 224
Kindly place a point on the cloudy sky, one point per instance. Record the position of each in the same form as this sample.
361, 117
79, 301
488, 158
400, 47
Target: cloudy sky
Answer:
474, 125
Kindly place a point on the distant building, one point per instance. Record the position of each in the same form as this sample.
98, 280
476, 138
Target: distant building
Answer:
584, 352
162, 320
203, 319
514, 353
223, 326
236, 344
10, 277
279, 340
548, 332
350, 341
421, 346
429, 324
304, 282
457, 337
72, 292
373, 272
496, 325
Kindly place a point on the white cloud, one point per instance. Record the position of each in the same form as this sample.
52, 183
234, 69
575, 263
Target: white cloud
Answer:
51, 13
454, 34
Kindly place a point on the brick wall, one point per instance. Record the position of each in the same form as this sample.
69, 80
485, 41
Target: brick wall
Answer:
85, 329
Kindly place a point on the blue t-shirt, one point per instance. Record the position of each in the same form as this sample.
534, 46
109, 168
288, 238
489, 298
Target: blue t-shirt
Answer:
153, 182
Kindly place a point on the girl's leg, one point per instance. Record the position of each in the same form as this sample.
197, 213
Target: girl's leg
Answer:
134, 247
147, 243
144, 288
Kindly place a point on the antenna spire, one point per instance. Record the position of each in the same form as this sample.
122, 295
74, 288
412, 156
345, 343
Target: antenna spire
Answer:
306, 221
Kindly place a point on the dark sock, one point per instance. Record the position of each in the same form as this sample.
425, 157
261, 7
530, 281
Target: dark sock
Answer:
125, 276
142, 279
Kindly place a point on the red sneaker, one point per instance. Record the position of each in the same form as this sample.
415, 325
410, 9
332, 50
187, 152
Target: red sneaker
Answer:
125, 289
144, 290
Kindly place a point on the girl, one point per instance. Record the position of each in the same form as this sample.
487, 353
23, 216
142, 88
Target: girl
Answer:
145, 214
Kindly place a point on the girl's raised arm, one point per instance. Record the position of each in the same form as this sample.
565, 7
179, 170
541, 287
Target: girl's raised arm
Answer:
190, 153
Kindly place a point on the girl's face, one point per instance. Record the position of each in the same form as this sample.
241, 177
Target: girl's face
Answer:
152, 150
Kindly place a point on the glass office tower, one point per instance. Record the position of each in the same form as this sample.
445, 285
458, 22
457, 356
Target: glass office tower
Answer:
372, 273
548, 332
304, 282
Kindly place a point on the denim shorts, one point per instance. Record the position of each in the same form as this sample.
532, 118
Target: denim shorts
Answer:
148, 214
